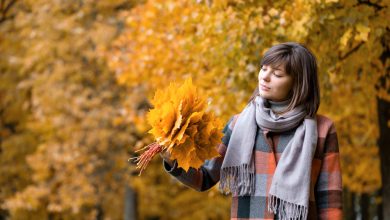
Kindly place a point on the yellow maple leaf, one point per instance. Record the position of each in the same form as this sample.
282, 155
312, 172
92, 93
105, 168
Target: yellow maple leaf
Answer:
181, 125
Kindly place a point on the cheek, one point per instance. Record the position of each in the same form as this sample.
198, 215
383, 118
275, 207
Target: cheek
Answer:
284, 86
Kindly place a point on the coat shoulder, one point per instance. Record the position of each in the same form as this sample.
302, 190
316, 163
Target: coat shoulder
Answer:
325, 125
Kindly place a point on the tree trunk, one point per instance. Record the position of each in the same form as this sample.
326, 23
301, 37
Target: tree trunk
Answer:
130, 204
100, 212
384, 151
384, 131
348, 204
379, 209
365, 206
353, 211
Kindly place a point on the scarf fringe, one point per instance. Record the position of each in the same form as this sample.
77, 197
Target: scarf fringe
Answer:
286, 210
237, 180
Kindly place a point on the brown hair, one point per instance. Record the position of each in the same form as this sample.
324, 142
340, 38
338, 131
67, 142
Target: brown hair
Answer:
301, 64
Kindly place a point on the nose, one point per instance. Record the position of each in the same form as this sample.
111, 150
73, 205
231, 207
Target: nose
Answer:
264, 75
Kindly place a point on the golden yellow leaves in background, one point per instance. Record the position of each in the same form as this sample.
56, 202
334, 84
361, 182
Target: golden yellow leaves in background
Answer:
77, 81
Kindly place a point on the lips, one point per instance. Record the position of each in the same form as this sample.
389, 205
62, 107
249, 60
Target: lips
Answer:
265, 88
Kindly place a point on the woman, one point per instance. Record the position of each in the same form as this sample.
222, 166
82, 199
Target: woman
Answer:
279, 159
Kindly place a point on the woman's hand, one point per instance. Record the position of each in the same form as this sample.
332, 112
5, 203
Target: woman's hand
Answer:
166, 156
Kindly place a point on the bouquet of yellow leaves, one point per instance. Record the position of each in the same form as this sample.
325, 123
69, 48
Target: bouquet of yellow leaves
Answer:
181, 126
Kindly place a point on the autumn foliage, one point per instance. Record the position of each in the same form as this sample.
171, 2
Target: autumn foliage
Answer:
78, 79
181, 126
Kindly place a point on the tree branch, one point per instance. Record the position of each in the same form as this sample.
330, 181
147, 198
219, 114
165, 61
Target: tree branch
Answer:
351, 51
367, 2
6, 9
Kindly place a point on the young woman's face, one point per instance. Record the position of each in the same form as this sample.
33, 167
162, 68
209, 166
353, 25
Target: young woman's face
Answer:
274, 83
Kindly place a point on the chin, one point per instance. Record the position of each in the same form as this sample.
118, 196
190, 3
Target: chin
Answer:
265, 96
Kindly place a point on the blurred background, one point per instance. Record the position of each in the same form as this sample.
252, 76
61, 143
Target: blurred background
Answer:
77, 77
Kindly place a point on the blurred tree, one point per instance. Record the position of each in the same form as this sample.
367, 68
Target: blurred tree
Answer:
219, 43
61, 105
16, 139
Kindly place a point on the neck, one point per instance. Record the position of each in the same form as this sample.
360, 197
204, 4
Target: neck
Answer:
279, 106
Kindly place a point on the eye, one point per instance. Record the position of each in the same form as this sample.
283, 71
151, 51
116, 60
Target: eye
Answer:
277, 75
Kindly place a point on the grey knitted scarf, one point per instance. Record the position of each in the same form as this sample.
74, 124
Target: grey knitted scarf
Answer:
290, 188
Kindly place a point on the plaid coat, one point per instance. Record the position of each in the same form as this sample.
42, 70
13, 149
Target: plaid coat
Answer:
325, 188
